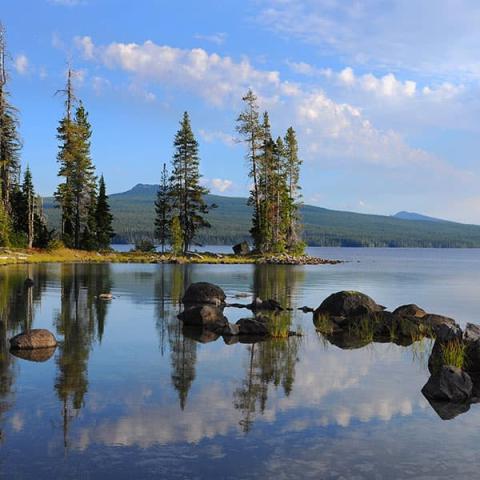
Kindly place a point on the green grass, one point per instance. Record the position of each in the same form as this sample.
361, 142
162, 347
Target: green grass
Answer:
323, 324
453, 353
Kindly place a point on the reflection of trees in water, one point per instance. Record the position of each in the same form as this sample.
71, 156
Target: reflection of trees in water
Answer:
17, 306
170, 284
273, 361
81, 319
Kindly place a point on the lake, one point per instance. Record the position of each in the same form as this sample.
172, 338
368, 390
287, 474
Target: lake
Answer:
127, 395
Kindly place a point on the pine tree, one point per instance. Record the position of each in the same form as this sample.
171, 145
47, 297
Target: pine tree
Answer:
176, 236
29, 199
292, 173
10, 143
163, 210
186, 191
248, 126
104, 218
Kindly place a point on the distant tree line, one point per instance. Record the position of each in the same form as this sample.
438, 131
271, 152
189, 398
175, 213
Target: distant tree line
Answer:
274, 167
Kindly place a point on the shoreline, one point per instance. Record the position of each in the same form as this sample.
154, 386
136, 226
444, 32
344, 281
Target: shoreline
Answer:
14, 256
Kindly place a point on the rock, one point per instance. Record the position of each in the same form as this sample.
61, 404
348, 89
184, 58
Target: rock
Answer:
204, 293
259, 304
29, 283
36, 338
347, 304
444, 329
241, 248
410, 310
203, 315
105, 296
307, 309
35, 355
471, 333
199, 334
231, 330
450, 384
448, 410
252, 326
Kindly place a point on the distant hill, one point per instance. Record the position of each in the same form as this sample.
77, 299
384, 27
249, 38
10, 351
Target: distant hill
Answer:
134, 216
416, 217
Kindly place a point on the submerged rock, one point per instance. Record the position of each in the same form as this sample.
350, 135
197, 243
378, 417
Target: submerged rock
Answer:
35, 355
203, 315
29, 283
241, 248
348, 304
204, 293
449, 384
270, 304
36, 338
252, 326
200, 334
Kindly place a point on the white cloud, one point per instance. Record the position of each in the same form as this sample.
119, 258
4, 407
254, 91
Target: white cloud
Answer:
221, 185
217, 38
21, 64
218, 136
211, 76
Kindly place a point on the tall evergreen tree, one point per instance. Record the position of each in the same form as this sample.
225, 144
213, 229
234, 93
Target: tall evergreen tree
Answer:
10, 143
249, 128
104, 218
163, 210
292, 173
186, 192
28, 194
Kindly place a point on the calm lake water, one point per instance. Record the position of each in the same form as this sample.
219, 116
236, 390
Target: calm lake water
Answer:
128, 395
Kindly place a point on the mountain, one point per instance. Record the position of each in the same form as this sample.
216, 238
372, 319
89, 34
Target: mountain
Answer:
416, 217
134, 216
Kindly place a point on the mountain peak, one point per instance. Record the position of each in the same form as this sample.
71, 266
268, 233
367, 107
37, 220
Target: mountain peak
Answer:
403, 215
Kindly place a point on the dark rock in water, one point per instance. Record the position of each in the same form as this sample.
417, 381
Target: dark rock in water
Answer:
410, 310
250, 339
435, 360
199, 334
448, 410
35, 355
471, 333
204, 293
231, 330
237, 305
252, 326
241, 248
259, 304
348, 304
36, 338
231, 339
203, 315
29, 283
305, 309
450, 384
347, 341
445, 329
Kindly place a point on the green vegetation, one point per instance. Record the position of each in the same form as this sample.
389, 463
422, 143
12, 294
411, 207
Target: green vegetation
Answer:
453, 353
274, 170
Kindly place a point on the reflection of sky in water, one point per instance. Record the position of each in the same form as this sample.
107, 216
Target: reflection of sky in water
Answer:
302, 407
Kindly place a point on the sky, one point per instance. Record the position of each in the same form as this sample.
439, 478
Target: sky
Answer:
384, 94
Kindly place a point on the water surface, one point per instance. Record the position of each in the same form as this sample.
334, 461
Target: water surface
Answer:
128, 395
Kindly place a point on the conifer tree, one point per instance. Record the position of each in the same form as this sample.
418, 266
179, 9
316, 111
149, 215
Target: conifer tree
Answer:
186, 192
176, 236
29, 199
10, 143
104, 218
163, 210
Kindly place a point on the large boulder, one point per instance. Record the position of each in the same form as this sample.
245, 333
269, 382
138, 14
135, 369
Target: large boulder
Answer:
444, 329
410, 310
471, 338
241, 248
201, 293
252, 326
348, 304
32, 339
203, 315
449, 384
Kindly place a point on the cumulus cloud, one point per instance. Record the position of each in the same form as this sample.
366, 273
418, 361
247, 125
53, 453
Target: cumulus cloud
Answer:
213, 77
217, 38
21, 64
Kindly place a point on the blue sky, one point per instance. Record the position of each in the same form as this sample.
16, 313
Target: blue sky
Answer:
384, 95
